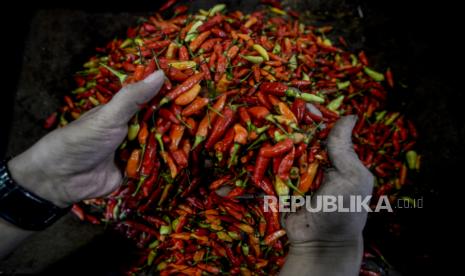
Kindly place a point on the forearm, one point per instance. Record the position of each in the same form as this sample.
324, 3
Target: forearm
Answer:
22, 172
10, 237
328, 259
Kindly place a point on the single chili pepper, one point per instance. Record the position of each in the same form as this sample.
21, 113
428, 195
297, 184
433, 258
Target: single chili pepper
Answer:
78, 211
286, 164
389, 78
149, 156
220, 127
195, 44
263, 100
258, 112
363, 58
150, 181
272, 238
298, 108
245, 118
412, 129
167, 5
51, 121
168, 115
278, 149
240, 136
192, 186
218, 32
183, 53
195, 106
133, 129
261, 164
307, 178
133, 163
276, 88
154, 220
180, 9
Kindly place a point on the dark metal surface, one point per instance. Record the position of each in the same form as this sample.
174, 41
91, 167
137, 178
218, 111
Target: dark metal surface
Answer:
60, 40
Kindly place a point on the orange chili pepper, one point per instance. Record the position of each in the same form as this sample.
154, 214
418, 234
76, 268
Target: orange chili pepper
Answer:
307, 178
195, 106
133, 163
143, 134
176, 133
195, 44
188, 96
240, 134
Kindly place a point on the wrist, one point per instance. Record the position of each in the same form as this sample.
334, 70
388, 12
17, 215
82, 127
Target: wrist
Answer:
323, 248
29, 173
324, 258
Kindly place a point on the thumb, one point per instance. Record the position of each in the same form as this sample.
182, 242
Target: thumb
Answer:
340, 148
130, 98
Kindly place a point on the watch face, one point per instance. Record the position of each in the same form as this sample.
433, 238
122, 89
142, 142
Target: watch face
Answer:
23, 208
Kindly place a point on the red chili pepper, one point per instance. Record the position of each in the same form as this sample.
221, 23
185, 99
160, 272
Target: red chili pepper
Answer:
149, 156
182, 88
389, 78
272, 238
275, 88
167, 5
149, 182
298, 108
168, 115
180, 158
286, 165
215, 20
180, 9
218, 32
221, 124
278, 149
78, 211
412, 129
261, 164
195, 44
363, 58
176, 74
263, 100
232, 256
276, 163
224, 144
183, 53
195, 106
258, 112
154, 220
51, 120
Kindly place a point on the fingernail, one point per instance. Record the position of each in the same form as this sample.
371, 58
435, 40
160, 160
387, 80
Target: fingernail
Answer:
154, 77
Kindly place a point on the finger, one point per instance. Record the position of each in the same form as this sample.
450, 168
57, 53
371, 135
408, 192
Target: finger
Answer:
131, 98
340, 148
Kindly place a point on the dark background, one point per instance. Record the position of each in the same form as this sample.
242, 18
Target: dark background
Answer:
44, 45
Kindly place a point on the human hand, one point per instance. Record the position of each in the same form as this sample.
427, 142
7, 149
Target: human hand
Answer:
331, 243
76, 162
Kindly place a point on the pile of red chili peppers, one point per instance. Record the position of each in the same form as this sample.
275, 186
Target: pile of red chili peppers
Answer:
232, 111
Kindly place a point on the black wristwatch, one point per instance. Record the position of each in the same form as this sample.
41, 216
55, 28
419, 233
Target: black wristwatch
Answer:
23, 208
